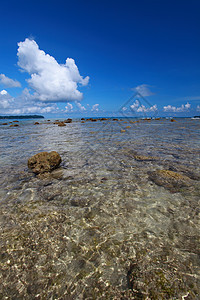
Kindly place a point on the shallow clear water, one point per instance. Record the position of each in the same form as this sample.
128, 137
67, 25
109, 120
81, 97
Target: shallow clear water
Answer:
100, 227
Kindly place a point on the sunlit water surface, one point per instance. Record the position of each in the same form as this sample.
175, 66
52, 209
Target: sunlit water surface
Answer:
98, 227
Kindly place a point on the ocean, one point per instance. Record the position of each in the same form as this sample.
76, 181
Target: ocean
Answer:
119, 219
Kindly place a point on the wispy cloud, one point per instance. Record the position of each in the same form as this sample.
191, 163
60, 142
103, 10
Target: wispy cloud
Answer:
143, 90
95, 107
81, 107
8, 82
69, 107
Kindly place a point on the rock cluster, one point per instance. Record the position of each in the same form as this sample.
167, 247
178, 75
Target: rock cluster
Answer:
14, 125
60, 124
68, 120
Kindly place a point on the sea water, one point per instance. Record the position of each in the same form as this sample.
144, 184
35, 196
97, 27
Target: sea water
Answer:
99, 227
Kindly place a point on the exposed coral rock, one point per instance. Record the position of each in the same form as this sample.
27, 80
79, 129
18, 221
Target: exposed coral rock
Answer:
68, 120
36, 123
14, 125
122, 130
44, 162
61, 124
172, 120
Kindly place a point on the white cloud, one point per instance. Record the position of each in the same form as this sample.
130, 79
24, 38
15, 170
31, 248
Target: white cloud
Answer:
3, 92
187, 105
124, 108
135, 105
95, 107
5, 100
24, 104
69, 107
50, 81
8, 82
145, 109
33, 110
81, 107
142, 108
182, 108
143, 89
198, 107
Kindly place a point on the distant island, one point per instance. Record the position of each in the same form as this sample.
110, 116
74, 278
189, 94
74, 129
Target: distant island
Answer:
22, 117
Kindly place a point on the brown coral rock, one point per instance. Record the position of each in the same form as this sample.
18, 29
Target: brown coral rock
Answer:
144, 158
173, 181
44, 162
61, 124
14, 125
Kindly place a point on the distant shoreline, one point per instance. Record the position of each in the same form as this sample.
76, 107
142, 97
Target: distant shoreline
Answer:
22, 117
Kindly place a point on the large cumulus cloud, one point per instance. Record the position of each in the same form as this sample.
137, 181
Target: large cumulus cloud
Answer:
50, 80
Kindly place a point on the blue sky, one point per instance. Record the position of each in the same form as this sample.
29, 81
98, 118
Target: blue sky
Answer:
151, 47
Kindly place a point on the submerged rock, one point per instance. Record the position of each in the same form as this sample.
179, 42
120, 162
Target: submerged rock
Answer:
79, 201
14, 125
138, 157
173, 181
44, 162
144, 158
